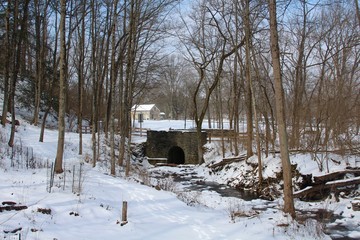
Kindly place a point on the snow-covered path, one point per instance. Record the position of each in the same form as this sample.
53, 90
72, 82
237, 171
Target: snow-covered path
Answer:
148, 207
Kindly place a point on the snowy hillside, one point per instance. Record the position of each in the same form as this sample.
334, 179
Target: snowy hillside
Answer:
91, 207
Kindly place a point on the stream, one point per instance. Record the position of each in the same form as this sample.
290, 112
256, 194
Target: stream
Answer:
190, 181
222, 189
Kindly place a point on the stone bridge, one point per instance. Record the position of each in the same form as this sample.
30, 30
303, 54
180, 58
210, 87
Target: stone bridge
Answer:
174, 146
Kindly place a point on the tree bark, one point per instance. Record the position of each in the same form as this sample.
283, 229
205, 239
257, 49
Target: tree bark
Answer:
53, 80
62, 92
122, 81
299, 85
8, 55
235, 90
248, 88
19, 38
38, 74
112, 90
81, 74
280, 111
357, 11
94, 83
251, 105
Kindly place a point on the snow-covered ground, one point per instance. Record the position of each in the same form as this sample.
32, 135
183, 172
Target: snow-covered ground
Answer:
91, 208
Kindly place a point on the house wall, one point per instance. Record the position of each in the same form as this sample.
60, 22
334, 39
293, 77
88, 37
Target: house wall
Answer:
153, 114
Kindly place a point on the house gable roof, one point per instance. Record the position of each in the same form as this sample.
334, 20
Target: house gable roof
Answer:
142, 107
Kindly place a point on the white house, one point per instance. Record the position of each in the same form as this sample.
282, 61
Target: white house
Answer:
148, 111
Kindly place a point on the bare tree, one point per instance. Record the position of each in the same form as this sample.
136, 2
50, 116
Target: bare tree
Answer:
100, 52
143, 29
335, 95
171, 86
8, 55
112, 88
207, 45
301, 32
280, 111
248, 87
357, 11
236, 87
41, 10
62, 93
18, 39
251, 95
53, 81
94, 50
81, 70
130, 73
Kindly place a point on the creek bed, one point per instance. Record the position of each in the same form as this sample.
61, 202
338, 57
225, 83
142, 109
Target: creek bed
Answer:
333, 226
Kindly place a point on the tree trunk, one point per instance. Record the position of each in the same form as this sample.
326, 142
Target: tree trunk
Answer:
265, 115
94, 83
235, 90
299, 85
81, 74
248, 96
130, 78
112, 90
62, 92
54, 77
19, 38
357, 11
38, 74
280, 112
8, 55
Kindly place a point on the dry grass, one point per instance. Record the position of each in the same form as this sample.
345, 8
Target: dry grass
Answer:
238, 210
191, 198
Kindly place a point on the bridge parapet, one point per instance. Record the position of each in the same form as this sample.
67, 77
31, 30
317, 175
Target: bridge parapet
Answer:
179, 147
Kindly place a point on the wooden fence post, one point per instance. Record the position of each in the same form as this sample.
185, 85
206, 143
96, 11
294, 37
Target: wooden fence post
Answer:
124, 213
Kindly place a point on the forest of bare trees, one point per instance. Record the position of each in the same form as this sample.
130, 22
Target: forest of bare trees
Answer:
293, 73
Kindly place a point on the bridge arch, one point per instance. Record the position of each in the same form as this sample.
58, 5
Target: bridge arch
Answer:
176, 155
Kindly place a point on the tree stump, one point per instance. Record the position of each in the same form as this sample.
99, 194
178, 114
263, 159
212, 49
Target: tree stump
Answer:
356, 205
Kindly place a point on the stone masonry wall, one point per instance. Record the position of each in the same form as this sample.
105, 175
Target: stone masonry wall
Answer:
160, 142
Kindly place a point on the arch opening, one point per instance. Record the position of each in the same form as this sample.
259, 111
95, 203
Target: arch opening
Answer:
176, 155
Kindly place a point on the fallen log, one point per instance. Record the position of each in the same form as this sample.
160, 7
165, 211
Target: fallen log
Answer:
154, 161
11, 203
325, 187
166, 165
12, 207
335, 175
229, 160
13, 231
